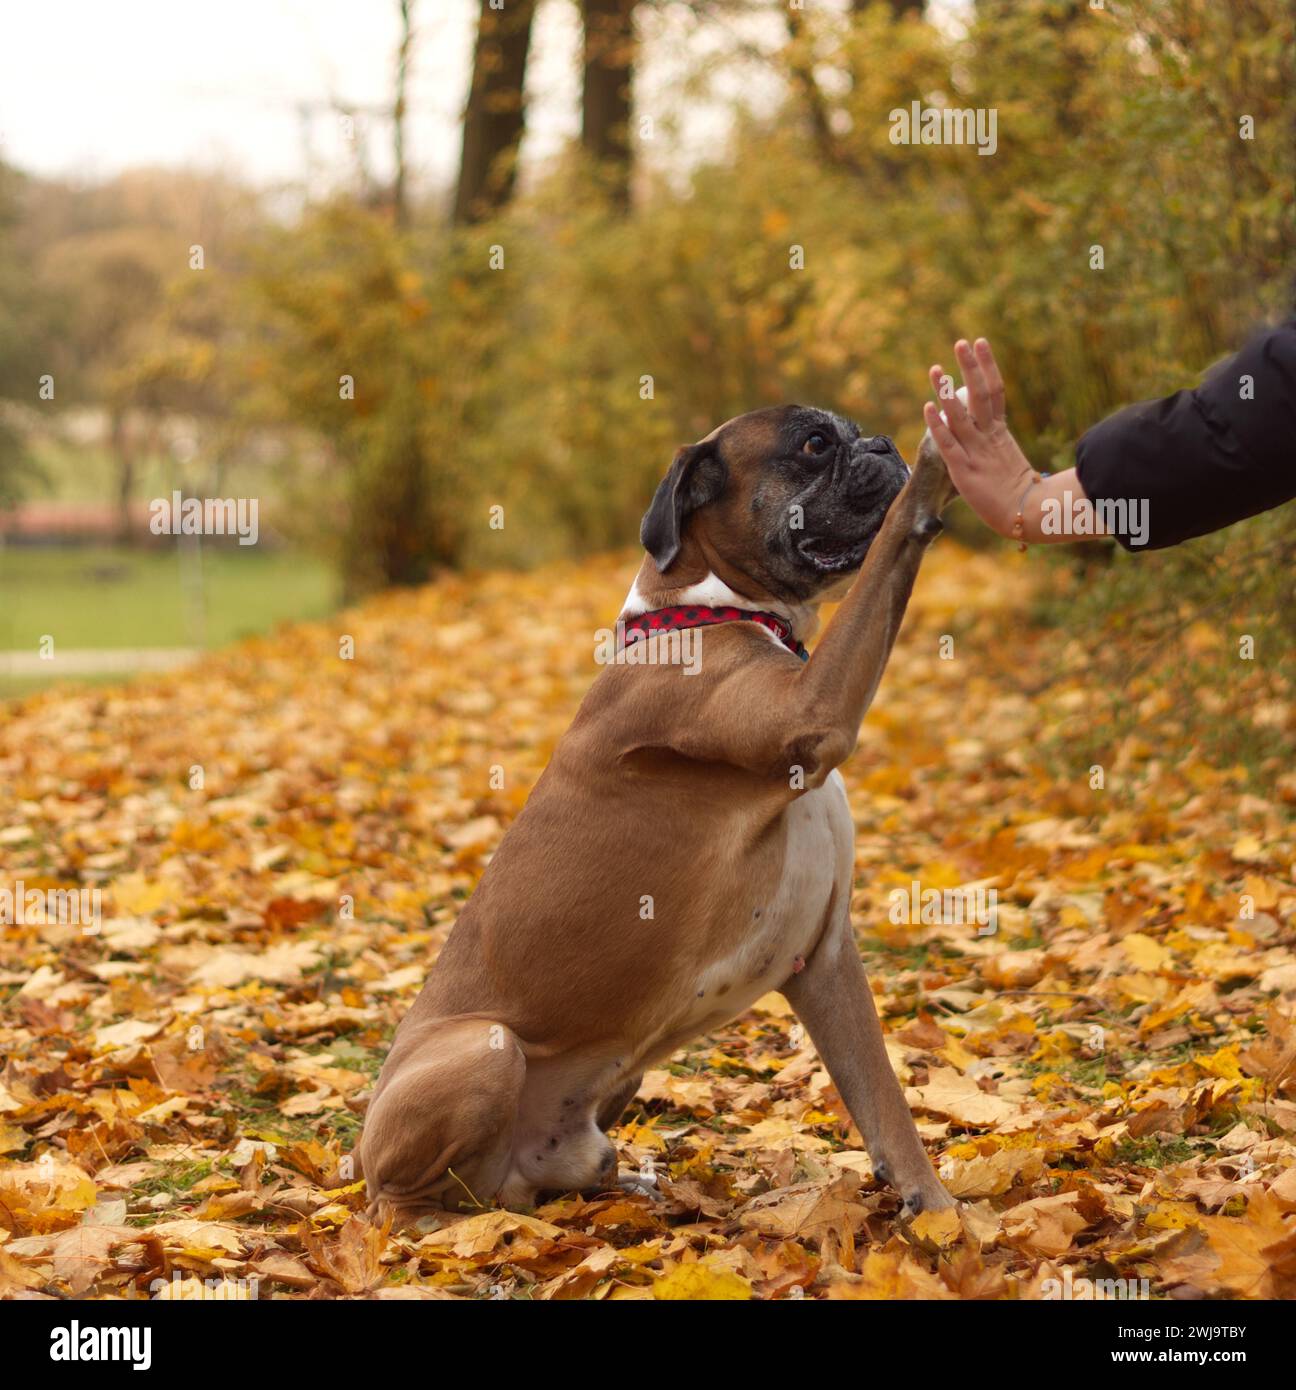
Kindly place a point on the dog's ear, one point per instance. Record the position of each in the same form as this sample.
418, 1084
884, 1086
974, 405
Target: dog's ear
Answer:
696, 477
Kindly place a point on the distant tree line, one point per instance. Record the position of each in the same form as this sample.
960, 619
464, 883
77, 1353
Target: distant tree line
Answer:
542, 348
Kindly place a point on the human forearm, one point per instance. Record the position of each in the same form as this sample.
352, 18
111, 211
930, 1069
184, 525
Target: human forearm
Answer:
1057, 509
1166, 470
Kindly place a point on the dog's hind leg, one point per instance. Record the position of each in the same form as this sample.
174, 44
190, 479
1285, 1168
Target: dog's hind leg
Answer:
609, 1116
613, 1108
438, 1134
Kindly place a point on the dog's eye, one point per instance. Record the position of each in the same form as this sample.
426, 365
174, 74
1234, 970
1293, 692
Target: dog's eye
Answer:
816, 444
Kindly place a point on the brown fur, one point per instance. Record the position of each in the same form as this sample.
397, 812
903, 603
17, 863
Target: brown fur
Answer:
554, 992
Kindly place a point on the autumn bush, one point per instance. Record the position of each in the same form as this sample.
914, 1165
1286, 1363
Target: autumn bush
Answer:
1190, 649
550, 360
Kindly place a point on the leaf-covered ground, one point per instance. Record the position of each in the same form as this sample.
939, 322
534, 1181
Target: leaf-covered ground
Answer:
283, 838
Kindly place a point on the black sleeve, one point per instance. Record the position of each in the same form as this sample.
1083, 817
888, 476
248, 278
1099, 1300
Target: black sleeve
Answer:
1199, 460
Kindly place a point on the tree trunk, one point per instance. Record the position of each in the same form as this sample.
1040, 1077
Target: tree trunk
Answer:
495, 117
608, 78
123, 451
899, 8
399, 207
830, 148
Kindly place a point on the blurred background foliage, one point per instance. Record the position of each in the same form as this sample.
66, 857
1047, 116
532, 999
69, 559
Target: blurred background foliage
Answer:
543, 344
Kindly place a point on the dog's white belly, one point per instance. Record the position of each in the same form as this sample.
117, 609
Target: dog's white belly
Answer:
820, 857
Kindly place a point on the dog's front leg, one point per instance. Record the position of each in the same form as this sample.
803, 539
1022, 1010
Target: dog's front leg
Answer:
833, 999
832, 995
842, 675
806, 721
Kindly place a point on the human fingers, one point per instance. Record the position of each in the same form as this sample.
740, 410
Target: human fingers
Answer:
994, 378
979, 406
955, 456
959, 421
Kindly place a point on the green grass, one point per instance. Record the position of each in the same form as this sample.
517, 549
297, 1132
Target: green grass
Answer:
178, 1179
1155, 1151
104, 596
1090, 1073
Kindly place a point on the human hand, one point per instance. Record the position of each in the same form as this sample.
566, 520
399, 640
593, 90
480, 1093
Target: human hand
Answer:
984, 460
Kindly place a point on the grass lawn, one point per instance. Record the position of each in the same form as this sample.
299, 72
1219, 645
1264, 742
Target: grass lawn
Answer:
108, 596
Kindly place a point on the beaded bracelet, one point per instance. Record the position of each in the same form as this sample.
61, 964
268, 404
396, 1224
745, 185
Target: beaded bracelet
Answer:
1019, 524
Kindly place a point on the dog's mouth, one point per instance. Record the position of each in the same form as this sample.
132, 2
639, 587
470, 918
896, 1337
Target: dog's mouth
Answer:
833, 554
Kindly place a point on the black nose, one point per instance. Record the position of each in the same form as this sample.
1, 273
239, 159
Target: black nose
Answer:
878, 472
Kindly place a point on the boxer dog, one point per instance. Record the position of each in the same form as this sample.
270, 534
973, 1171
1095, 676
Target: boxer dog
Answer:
689, 846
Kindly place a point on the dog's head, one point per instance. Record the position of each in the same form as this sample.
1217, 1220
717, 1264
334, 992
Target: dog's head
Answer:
790, 497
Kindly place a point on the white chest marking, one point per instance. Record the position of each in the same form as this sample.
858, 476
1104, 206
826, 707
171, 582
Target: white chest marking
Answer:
713, 592
820, 856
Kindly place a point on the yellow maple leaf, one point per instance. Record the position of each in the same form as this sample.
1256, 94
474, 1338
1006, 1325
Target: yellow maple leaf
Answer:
134, 895
1144, 953
702, 1280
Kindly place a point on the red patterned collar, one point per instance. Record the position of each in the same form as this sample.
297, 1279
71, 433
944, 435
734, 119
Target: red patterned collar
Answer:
645, 625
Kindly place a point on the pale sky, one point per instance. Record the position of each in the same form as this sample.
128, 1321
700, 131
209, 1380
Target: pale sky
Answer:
88, 87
